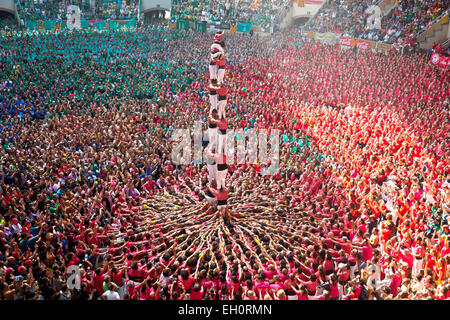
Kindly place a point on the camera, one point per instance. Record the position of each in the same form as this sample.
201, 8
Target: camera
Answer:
325, 286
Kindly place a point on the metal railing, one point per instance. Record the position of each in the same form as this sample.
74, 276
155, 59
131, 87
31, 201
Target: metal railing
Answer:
446, 44
442, 19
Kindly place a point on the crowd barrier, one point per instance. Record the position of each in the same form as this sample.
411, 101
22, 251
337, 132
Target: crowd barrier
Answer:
348, 42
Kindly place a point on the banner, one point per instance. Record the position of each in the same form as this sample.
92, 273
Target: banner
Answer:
172, 24
346, 41
113, 25
439, 60
244, 27
233, 27
131, 23
49, 25
31, 24
325, 37
200, 26
363, 45
182, 25
384, 46
85, 23
99, 25
58, 25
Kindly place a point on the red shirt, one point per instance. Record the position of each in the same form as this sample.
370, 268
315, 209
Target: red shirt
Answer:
408, 258
188, 283
223, 124
222, 91
395, 283
222, 194
117, 277
262, 287
196, 295
418, 250
366, 253
302, 297
311, 286
98, 282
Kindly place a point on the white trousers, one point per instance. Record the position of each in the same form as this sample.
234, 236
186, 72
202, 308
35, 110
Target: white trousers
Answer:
222, 106
220, 76
212, 201
122, 290
417, 266
221, 143
213, 102
352, 271
212, 172
212, 71
213, 138
221, 177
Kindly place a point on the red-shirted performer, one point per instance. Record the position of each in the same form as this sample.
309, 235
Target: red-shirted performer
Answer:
217, 60
209, 196
213, 97
222, 199
222, 100
222, 168
211, 164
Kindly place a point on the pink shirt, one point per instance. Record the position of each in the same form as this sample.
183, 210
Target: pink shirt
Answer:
196, 295
302, 297
261, 286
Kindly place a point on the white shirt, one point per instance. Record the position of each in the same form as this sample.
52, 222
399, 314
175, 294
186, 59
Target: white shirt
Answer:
111, 295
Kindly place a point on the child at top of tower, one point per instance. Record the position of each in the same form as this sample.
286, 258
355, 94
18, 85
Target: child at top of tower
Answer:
217, 61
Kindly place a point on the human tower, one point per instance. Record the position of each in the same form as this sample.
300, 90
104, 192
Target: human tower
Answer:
216, 192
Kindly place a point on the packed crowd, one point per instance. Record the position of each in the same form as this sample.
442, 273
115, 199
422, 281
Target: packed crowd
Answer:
261, 12
115, 11
42, 9
36, 10
7, 21
407, 20
358, 210
342, 16
403, 23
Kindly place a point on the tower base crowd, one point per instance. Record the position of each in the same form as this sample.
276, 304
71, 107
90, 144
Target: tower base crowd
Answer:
360, 208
